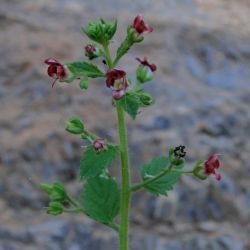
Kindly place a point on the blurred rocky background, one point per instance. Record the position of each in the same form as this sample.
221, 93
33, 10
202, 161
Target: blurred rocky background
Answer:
202, 49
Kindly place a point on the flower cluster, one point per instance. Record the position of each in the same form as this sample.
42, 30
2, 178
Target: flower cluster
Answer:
115, 78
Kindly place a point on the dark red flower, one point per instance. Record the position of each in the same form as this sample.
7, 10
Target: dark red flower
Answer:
145, 62
140, 26
56, 70
210, 166
99, 145
116, 80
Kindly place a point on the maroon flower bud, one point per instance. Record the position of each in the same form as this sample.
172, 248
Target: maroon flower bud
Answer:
211, 165
140, 26
90, 49
99, 145
56, 70
116, 80
91, 52
145, 62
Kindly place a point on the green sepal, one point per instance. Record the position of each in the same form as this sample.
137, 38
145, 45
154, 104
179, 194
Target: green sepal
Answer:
198, 168
75, 126
92, 163
88, 69
55, 208
133, 100
130, 103
101, 199
143, 74
46, 188
101, 31
146, 99
58, 192
84, 84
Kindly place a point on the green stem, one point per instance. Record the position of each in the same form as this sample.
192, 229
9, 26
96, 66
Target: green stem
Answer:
108, 56
114, 226
183, 171
125, 189
138, 186
73, 202
125, 185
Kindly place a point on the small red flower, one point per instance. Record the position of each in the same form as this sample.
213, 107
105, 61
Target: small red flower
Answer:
56, 70
140, 26
99, 145
116, 80
211, 165
145, 62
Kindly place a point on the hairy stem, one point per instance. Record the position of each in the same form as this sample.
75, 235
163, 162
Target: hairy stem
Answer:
108, 56
125, 175
125, 189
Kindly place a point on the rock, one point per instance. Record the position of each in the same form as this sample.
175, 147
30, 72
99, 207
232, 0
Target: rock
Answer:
231, 78
159, 123
195, 68
208, 227
53, 231
230, 243
215, 127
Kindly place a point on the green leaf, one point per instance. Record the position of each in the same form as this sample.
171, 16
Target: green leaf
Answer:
101, 199
92, 163
85, 69
164, 184
75, 126
131, 104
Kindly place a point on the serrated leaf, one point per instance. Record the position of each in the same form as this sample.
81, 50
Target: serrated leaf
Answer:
85, 69
92, 163
131, 104
163, 184
101, 199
